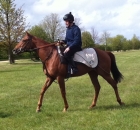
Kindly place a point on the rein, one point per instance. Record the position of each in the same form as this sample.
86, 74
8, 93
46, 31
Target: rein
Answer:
51, 44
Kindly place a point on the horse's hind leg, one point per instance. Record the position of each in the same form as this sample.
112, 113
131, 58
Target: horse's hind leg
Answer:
94, 78
113, 83
45, 87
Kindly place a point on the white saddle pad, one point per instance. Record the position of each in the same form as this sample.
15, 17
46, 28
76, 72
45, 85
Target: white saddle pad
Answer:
87, 56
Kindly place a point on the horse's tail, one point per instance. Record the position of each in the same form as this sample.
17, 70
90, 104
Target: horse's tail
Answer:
114, 69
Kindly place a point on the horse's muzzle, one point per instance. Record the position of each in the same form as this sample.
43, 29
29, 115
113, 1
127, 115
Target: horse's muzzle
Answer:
14, 51
17, 51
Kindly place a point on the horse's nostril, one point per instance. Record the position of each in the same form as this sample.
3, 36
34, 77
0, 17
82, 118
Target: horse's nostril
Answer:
14, 51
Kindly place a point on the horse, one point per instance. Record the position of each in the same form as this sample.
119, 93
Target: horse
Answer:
54, 70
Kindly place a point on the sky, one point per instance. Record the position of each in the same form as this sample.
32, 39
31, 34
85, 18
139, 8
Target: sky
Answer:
113, 16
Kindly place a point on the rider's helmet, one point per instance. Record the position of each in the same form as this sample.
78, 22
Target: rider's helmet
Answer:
68, 17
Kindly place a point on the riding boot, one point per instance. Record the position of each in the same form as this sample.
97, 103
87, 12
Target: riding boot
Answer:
73, 65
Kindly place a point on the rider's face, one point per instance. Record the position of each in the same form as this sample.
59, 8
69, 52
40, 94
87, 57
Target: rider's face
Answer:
67, 23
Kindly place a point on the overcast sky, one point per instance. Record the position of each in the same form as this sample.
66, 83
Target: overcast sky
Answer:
114, 16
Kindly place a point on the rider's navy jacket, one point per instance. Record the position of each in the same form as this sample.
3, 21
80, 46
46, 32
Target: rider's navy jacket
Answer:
73, 37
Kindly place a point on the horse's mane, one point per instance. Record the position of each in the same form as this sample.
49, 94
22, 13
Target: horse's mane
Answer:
40, 39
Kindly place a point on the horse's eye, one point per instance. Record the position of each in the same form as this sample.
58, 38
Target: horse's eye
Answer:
24, 40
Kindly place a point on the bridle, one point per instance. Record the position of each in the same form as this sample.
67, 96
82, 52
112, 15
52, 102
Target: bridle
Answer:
21, 49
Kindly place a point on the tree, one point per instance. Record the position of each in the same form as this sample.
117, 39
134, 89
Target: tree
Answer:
39, 32
87, 40
129, 45
77, 22
95, 36
3, 52
52, 26
118, 42
135, 42
104, 38
12, 25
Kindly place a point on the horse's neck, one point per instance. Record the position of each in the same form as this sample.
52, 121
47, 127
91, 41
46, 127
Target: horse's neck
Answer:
44, 51
38, 43
47, 54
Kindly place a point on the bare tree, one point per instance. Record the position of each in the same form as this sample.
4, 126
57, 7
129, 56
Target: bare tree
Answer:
53, 27
77, 21
12, 25
104, 38
94, 34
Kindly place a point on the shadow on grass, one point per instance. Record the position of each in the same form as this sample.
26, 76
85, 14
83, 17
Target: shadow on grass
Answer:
3, 71
20, 64
24, 63
126, 106
109, 107
34, 63
5, 115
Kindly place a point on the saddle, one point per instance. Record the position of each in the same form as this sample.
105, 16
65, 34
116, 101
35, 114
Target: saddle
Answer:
87, 56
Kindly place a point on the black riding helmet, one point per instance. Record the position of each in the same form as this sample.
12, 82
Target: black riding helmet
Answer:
68, 17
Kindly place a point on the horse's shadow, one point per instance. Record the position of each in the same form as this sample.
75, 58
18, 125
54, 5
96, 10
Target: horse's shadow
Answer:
5, 115
111, 107
118, 107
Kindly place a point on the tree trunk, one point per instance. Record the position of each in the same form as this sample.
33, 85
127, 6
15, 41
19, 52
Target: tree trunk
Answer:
11, 57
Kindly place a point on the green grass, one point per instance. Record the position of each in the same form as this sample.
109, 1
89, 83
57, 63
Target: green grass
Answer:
20, 85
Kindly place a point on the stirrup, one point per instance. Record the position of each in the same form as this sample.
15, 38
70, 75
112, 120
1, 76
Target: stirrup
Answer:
74, 70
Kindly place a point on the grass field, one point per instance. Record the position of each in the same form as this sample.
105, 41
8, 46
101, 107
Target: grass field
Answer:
20, 85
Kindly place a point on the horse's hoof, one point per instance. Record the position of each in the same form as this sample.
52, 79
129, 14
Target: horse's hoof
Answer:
92, 106
64, 110
37, 111
122, 103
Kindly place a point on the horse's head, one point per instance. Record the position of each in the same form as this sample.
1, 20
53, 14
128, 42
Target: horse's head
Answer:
25, 45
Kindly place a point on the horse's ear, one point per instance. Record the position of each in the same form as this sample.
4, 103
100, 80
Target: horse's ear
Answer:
28, 34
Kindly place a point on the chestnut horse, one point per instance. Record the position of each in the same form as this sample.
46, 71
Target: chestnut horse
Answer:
56, 71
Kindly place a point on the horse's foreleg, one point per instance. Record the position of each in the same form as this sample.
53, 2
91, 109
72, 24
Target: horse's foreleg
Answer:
114, 85
94, 79
45, 87
63, 92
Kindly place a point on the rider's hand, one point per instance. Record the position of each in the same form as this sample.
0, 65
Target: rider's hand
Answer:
62, 42
58, 44
66, 50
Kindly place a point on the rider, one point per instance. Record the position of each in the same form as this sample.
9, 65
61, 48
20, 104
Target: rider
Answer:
72, 40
